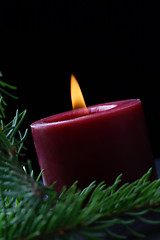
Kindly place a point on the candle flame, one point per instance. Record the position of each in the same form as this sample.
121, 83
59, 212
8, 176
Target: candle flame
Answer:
76, 94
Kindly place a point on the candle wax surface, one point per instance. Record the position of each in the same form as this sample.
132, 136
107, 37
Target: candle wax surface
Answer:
94, 144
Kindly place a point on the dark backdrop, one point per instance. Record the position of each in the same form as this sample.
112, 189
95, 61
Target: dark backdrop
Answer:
113, 50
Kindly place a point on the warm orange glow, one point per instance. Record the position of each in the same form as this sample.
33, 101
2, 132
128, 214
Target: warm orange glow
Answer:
76, 94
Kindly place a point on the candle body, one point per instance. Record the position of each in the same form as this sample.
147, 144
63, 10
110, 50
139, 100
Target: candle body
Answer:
109, 140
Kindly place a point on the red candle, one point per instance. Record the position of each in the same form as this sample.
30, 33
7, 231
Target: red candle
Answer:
97, 144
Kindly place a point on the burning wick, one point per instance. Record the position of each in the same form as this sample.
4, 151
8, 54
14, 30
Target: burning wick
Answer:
76, 94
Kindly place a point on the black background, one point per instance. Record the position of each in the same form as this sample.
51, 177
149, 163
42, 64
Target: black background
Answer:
112, 48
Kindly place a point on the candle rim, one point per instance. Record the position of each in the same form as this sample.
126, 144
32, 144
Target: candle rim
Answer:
70, 116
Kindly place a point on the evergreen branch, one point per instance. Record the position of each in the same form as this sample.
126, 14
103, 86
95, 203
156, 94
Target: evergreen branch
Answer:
2, 101
7, 93
4, 84
11, 130
42, 214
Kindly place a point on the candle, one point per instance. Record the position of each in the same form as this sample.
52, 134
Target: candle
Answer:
94, 143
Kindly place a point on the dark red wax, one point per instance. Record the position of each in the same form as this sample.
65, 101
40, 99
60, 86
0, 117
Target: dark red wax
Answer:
110, 140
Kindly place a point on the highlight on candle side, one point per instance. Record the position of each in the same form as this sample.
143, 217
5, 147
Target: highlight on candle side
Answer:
102, 108
76, 94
